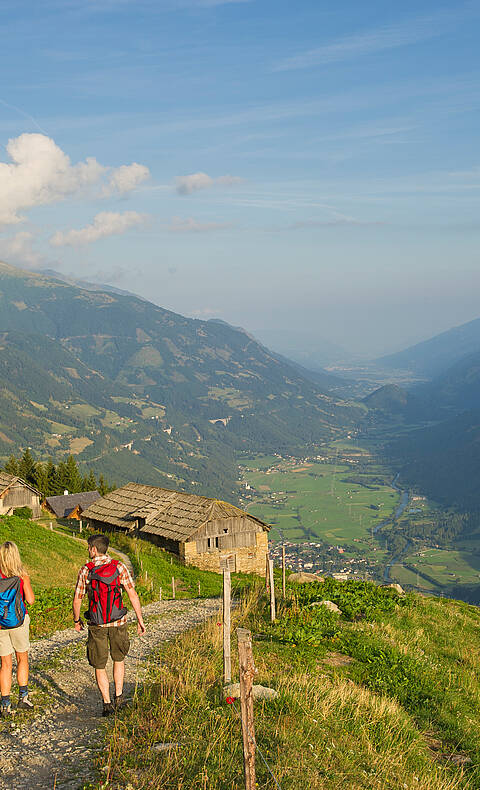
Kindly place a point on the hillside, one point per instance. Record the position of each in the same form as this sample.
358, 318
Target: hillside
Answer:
139, 392
398, 403
457, 388
384, 695
433, 356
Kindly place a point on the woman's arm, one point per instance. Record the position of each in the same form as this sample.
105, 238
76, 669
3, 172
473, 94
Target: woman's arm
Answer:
28, 593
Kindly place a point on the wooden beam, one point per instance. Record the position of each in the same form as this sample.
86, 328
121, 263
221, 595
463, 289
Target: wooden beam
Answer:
247, 673
227, 659
272, 591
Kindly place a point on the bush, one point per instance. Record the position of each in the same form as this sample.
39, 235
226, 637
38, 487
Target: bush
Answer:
23, 512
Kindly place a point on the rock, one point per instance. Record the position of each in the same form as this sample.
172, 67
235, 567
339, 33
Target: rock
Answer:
165, 747
259, 692
302, 577
396, 587
332, 607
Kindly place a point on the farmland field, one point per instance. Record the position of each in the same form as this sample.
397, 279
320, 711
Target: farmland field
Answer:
339, 497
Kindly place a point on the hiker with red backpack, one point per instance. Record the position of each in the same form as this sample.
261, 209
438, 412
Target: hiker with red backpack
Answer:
15, 592
103, 580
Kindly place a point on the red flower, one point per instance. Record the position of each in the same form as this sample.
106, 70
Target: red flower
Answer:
230, 700
219, 624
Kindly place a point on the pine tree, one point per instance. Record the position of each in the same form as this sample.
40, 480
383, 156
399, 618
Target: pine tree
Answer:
74, 478
11, 466
52, 478
26, 467
41, 479
89, 482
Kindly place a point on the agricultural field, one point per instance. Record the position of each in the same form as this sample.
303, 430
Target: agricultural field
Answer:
339, 497
442, 566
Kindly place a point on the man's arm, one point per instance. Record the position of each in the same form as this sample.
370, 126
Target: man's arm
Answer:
135, 601
77, 604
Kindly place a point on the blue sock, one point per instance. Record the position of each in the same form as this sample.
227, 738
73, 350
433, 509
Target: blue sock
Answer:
5, 702
22, 691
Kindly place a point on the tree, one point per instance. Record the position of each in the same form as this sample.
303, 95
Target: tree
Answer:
26, 467
89, 483
11, 466
41, 479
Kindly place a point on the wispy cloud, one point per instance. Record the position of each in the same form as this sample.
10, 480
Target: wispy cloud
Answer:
107, 223
19, 249
190, 225
400, 34
195, 182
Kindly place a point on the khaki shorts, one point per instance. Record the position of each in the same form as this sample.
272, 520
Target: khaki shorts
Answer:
102, 639
15, 640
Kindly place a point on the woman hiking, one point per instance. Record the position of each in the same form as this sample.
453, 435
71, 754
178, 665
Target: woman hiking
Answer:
15, 592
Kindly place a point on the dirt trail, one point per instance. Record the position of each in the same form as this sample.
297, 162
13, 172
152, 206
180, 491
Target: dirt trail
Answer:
55, 748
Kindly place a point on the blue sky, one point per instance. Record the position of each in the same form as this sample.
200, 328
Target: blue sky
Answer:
311, 166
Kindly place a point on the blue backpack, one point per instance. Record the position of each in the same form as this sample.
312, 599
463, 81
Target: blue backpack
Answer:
12, 607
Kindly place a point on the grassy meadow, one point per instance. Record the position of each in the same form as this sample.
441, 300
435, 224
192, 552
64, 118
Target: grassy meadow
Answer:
384, 696
328, 499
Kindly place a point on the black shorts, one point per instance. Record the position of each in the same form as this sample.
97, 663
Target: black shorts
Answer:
105, 639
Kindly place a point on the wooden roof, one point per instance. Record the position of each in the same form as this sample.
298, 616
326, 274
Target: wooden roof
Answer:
171, 514
6, 481
64, 504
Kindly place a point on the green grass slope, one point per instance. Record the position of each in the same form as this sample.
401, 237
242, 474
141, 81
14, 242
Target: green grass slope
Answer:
383, 696
53, 560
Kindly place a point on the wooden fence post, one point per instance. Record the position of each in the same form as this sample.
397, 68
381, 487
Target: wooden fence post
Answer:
283, 571
267, 573
81, 526
173, 587
227, 659
160, 596
272, 591
51, 526
199, 588
247, 672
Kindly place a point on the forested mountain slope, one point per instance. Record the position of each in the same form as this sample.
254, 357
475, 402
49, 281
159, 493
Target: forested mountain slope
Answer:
140, 392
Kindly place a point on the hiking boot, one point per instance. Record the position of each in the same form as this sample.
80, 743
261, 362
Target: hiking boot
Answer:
119, 702
108, 709
25, 703
6, 711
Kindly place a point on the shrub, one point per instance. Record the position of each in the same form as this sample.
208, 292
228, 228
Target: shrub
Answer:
23, 512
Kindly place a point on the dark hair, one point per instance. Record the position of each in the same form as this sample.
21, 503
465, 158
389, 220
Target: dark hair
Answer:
100, 542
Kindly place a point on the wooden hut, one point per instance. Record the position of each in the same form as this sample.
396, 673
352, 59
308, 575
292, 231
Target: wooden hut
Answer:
15, 492
205, 532
70, 505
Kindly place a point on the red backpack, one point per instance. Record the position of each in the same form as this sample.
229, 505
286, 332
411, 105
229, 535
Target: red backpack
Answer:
104, 593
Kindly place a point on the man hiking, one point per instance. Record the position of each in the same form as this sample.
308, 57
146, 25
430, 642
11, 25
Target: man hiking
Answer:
103, 579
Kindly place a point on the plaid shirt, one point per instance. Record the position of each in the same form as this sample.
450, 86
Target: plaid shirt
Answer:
125, 580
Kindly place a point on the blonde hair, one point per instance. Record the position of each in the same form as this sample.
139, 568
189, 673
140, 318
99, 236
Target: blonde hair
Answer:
10, 562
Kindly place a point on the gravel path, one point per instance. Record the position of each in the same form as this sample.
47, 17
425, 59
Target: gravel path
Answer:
55, 748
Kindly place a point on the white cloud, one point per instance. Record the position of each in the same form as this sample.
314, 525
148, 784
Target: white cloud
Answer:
185, 185
40, 173
190, 225
107, 223
126, 178
19, 250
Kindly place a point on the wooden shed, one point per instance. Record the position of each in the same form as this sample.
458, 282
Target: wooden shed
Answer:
205, 532
70, 505
15, 492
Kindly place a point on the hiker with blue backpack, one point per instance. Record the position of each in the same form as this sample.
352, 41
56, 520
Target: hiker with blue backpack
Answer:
15, 592
102, 580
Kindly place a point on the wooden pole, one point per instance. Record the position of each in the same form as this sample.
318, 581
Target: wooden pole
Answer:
267, 574
283, 571
227, 658
247, 672
199, 588
160, 596
173, 587
81, 526
51, 526
272, 591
